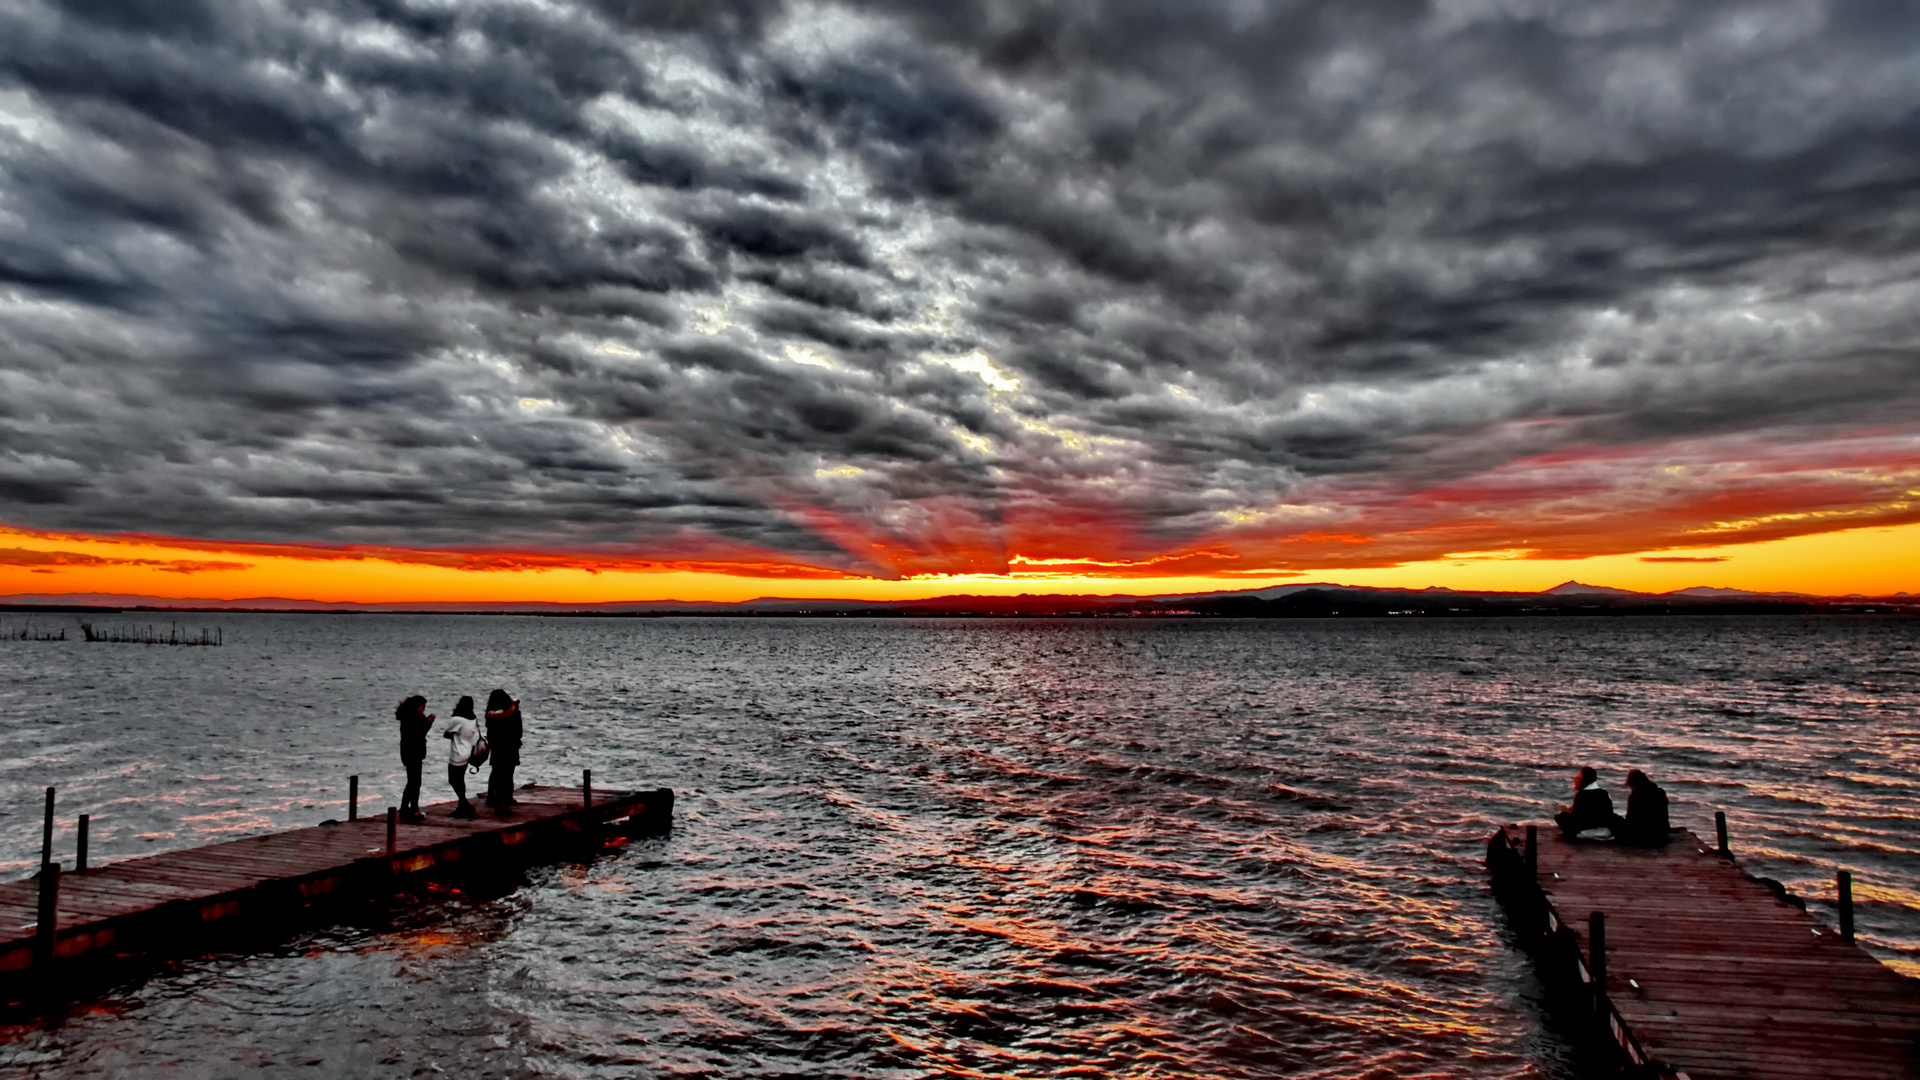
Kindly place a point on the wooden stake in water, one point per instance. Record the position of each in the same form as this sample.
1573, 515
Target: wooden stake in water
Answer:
1843, 881
1533, 849
353, 798
393, 826
586, 788
80, 843
46, 834
1720, 827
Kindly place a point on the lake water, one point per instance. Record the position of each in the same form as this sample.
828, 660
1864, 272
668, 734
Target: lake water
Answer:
949, 847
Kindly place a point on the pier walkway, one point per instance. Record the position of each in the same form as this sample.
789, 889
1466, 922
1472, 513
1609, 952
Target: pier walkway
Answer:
146, 903
1703, 971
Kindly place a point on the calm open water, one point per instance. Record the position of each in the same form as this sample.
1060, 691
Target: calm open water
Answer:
949, 847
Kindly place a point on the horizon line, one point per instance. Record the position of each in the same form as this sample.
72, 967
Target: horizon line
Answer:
1569, 590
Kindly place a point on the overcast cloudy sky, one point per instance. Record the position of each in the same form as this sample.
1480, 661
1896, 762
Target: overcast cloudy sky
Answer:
898, 287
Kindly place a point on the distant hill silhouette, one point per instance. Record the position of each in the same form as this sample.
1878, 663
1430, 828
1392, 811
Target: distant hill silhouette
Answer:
1319, 600
1575, 588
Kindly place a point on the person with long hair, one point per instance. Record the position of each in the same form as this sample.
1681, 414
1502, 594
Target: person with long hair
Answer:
462, 734
1647, 822
1592, 807
414, 725
504, 732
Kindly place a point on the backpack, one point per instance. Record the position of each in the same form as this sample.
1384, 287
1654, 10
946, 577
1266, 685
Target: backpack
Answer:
480, 752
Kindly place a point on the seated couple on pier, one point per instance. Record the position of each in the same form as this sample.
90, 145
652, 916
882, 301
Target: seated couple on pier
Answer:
468, 747
1646, 822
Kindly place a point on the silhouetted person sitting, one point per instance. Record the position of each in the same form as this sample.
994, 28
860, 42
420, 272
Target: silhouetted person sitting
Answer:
1646, 812
1592, 807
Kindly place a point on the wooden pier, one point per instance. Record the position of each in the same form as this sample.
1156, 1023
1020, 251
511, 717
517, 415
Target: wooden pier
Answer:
1702, 971
151, 903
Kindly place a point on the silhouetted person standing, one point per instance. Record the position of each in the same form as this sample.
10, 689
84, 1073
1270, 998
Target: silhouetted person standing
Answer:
1647, 821
414, 724
504, 731
1592, 807
461, 734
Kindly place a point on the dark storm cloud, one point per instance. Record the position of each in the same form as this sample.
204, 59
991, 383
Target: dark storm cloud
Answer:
608, 274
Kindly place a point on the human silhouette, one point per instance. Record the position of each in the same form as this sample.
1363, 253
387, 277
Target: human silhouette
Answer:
1646, 821
1592, 807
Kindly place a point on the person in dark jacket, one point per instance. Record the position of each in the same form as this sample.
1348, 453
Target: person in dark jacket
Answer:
504, 732
414, 724
1647, 821
1592, 807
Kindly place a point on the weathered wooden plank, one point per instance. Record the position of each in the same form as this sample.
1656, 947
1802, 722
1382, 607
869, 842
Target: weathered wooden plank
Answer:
187, 883
1859, 999
82, 911
262, 867
187, 865
1806, 1061
159, 890
1803, 1021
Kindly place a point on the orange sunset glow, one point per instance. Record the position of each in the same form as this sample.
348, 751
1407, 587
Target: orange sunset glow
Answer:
1833, 518
1871, 561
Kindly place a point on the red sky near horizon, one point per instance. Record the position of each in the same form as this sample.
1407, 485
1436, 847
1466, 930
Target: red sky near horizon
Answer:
1769, 522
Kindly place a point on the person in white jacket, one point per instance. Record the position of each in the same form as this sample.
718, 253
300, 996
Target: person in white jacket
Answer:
461, 733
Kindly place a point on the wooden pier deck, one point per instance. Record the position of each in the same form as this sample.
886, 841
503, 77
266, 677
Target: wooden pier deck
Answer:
1705, 972
138, 905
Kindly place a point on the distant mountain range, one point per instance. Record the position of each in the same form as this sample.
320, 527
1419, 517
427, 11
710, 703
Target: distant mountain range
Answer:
1318, 600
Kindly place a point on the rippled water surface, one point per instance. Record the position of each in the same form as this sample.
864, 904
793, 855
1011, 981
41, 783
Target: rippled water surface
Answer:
951, 848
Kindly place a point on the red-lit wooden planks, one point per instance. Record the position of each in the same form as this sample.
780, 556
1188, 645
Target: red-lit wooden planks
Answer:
1717, 977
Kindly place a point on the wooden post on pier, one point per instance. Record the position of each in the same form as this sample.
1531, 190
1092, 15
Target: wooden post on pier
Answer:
393, 827
1533, 848
46, 833
1843, 882
353, 798
1597, 960
49, 923
80, 843
586, 788
1720, 827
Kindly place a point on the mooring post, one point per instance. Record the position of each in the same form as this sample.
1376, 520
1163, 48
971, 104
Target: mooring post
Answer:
49, 915
1597, 958
1720, 827
586, 788
393, 826
80, 843
1533, 849
46, 834
353, 798
1844, 882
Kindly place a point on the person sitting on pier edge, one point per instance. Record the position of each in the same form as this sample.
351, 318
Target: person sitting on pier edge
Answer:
415, 722
1592, 807
504, 731
461, 733
1647, 821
